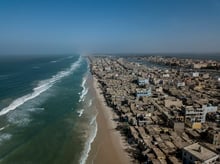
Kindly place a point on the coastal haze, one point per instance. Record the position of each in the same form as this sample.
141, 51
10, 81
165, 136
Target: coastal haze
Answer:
109, 26
109, 81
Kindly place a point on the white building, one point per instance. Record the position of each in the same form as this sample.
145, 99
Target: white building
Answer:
166, 75
195, 74
181, 84
198, 114
142, 81
197, 153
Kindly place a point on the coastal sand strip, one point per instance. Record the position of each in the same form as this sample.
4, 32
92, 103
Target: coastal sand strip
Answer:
108, 146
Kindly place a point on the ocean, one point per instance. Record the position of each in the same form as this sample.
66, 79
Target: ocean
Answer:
47, 114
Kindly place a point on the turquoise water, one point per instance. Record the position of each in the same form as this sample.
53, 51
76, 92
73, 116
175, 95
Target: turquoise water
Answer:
46, 110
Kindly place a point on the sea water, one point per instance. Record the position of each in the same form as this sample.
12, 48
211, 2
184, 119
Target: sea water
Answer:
46, 109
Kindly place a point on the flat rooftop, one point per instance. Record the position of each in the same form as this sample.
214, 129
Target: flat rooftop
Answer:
200, 152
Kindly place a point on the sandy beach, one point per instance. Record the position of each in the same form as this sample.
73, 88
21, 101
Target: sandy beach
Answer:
108, 146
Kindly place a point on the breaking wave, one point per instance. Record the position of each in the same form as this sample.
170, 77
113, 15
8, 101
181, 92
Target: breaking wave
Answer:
42, 87
84, 91
90, 103
83, 94
80, 112
90, 140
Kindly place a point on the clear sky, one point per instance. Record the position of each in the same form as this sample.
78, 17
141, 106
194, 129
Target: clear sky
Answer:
111, 26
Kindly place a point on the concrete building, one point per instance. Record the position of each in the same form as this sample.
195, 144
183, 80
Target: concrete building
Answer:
213, 137
143, 92
208, 109
181, 84
166, 75
195, 74
199, 65
142, 81
174, 120
195, 116
172, 102
197, 153
205, 75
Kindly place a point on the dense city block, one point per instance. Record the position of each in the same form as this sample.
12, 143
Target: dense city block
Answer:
168, 108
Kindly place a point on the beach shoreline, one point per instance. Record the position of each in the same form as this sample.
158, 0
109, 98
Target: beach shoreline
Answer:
109, 145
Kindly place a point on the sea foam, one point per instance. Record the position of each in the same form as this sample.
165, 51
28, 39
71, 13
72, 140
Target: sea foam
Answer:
90, 103
19, 118
90, 140
80, 112
2, 128
83, 94
84, 90
4, 137
42, 87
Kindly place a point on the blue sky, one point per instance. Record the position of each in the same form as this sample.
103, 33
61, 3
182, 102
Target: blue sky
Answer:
109, 26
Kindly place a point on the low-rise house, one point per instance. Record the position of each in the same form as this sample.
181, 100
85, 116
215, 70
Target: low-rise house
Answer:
197, 153
108, 69
172, 102
213, 136
181, 84
208, 109
195, 74
166, 75
159, 154
174, 160
199, 65
143, 92
177, 126
143, 81
159, 89
205, 75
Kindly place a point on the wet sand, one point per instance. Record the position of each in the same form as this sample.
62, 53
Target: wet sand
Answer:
108, 146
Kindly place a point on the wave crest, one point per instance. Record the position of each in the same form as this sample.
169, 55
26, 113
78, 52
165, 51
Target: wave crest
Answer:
84, 90
90, 140
42, 87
